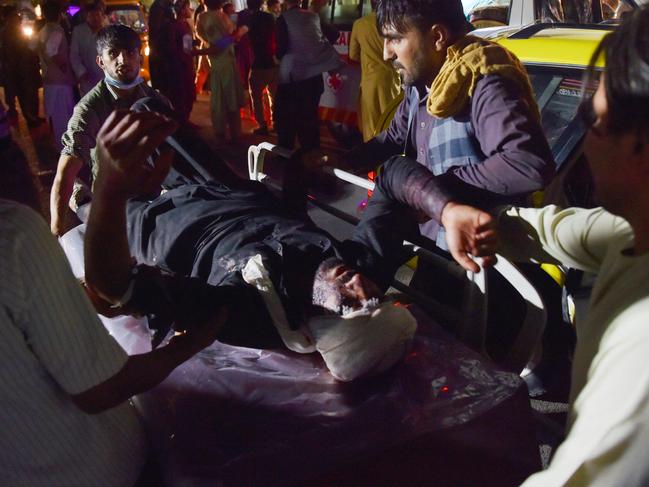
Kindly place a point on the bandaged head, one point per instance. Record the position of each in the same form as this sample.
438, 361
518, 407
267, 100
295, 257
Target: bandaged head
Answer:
363, 342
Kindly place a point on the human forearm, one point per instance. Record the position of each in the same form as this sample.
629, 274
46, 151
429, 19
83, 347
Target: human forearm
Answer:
139, 374
390, 142
124, 143
66, 172
576, 237
215, 47
107, 256
469, 230
410, 183
368, 156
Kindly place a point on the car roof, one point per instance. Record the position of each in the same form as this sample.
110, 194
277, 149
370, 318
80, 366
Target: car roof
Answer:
552, 44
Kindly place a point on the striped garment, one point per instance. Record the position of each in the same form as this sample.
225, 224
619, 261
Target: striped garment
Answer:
452, 142
53, 345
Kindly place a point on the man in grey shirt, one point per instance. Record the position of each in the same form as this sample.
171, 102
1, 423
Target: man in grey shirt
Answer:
120, 59
83, 48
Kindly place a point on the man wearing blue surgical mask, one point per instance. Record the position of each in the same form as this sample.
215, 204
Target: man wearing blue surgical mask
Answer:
118, 55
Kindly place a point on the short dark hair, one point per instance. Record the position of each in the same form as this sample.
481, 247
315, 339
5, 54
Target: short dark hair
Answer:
117, 36
51, 11
255, 4
626, 52
178, 5
214, 4
403, 15
95, 7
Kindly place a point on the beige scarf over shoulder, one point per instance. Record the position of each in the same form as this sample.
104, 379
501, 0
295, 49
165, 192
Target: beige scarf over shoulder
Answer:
467, 61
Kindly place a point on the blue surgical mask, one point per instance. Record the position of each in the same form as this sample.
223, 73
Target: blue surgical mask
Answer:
120, 84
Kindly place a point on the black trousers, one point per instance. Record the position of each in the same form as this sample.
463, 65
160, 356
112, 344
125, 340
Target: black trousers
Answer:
296, 113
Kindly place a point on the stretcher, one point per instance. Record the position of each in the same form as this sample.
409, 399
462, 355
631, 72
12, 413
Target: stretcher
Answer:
233, 416
470, 321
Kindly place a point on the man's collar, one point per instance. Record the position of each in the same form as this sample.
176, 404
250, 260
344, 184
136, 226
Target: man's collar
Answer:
422, 92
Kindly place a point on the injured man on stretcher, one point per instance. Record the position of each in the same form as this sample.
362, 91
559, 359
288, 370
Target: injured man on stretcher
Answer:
214, 240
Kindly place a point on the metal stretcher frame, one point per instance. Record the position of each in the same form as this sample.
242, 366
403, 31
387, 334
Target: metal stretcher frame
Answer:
470, 321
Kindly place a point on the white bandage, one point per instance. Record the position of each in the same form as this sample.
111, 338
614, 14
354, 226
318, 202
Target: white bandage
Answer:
363, 342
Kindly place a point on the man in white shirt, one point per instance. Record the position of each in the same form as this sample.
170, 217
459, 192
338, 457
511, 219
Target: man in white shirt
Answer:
58, 78
64, 379
83, 48
608, 424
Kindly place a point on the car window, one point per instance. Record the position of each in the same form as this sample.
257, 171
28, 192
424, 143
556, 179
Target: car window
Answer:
614, 9
558, 95
130, 16
343, 13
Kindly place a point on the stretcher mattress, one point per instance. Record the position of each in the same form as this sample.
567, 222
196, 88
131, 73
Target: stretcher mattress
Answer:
242, 416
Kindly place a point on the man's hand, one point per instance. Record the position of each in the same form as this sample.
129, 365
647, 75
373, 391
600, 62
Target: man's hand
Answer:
197, 336
123, 144
144, 371
470, 232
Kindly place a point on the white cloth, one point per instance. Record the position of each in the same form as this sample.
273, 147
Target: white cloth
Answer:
52, 42
54, 346
363, 343
59, 105
255, 274
54, 56
309, 53
358, 344
608, 426
83, 57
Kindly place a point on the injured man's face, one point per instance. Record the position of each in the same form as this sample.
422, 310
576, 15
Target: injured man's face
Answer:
361, 333
341, 290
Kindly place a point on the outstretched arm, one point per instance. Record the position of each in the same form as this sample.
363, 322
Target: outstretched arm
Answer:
470, 231
144, 371
123, 144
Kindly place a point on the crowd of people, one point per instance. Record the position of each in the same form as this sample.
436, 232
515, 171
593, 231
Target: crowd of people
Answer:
258, 58
172, 232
